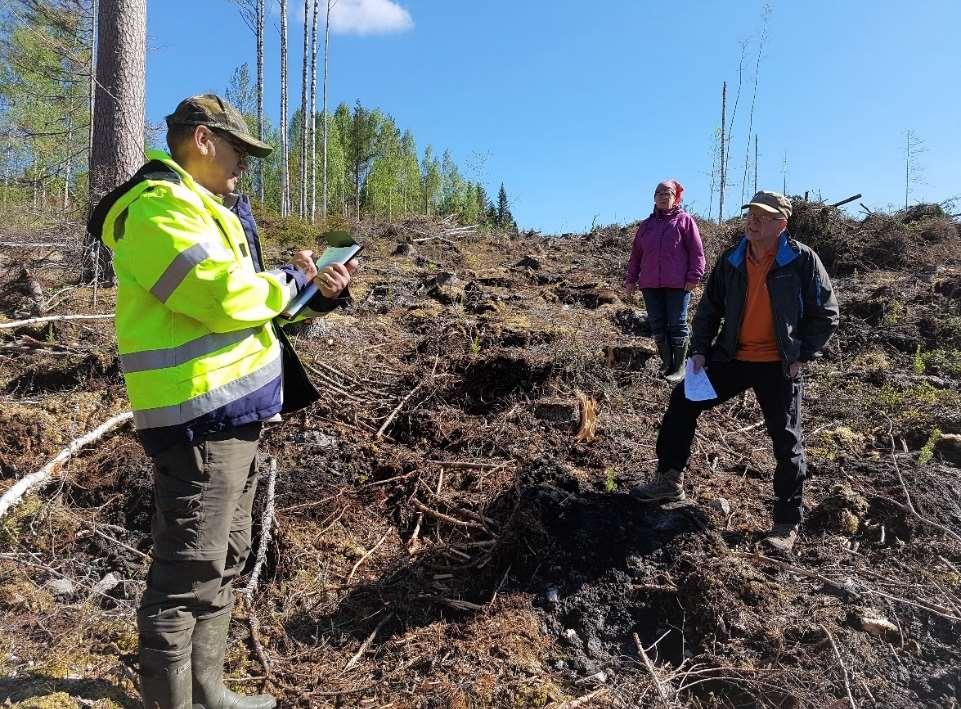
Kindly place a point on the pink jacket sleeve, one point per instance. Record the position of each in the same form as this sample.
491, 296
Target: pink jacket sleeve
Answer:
634, 264
695, 252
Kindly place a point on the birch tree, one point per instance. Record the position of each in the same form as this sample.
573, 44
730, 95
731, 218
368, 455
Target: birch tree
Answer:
326, 118
313, 114
252, 13
284, 133
304, 90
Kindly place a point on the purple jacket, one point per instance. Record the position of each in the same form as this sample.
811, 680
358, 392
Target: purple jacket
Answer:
667, 251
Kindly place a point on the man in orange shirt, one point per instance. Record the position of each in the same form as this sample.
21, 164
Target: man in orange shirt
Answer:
774, 305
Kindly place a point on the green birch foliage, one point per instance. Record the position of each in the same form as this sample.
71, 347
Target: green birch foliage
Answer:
431, 180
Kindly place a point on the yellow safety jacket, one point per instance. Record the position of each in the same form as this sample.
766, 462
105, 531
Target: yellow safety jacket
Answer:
194, 318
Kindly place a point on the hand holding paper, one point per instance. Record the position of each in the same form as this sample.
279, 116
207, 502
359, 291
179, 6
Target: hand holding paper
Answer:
697, 386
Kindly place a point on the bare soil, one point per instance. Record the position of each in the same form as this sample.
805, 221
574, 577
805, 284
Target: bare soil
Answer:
452, 512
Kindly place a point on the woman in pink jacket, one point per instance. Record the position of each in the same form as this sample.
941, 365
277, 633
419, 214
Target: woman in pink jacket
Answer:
667, 263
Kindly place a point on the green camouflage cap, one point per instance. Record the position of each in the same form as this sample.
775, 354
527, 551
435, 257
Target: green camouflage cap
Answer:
772, 203
214, 112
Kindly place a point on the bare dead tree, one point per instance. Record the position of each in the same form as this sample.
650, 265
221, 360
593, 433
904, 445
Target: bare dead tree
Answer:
715, 158
729, 138
260, 93
118, 123
252, 13
720, 206
784, 174
313, 112
284, 134
304, 89
765, 16
913, 146
326, 117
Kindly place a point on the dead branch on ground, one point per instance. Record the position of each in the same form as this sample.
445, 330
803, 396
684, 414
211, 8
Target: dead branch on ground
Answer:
40, 478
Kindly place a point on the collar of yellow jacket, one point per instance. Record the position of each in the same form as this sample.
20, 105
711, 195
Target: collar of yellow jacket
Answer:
185, 176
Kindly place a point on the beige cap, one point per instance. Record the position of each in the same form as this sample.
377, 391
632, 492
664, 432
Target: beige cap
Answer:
772, 202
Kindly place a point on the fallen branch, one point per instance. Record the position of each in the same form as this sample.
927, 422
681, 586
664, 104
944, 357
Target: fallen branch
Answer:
447, 518
905, 508
456, 603
38, 244
50, 318
581, 701
661, 691
40, 478
910, 504
844, 669
847, 590
265, 521
248, 593
654, 587
254, 623
333, 386
466, 464
845, 201
798, 570
383, 428
364, 558
364, 645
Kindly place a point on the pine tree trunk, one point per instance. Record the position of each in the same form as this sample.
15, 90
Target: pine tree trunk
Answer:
260, 94
284, 134
313, 115
118, 123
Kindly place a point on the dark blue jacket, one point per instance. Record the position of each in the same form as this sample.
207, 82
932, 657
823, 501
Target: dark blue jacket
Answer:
802, 302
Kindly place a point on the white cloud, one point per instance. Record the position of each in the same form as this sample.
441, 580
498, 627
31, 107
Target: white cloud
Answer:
369, 17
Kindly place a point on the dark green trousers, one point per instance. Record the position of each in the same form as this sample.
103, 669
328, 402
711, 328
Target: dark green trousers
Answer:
203, 494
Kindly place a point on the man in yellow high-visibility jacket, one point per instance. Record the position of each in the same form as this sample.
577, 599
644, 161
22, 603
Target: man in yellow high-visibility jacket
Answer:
205, 365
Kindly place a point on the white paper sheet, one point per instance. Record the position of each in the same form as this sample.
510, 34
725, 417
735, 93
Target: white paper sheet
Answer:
697, 387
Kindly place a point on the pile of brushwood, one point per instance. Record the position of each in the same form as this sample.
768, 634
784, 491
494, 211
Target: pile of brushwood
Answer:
450, 525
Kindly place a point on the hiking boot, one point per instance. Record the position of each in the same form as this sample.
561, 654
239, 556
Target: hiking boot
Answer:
664, 351
678, 360
164, 680
208, 646
665, 487
782, 537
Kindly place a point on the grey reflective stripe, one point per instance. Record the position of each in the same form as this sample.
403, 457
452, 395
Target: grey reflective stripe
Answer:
177, 271
173, 356
285, 279
205, 403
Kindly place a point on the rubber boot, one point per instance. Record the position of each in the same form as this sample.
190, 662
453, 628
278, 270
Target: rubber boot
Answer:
667, 486
664, 350
209, 692
678, 360
164, 681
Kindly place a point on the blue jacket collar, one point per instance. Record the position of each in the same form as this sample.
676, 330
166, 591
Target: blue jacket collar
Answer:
785, 251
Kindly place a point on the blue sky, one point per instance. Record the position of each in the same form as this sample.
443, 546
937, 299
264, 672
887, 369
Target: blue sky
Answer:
581, 108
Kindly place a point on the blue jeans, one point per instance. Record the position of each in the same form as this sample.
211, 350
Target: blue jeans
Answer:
667, 312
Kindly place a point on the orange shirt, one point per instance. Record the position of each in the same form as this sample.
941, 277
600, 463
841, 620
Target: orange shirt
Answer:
756, 341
